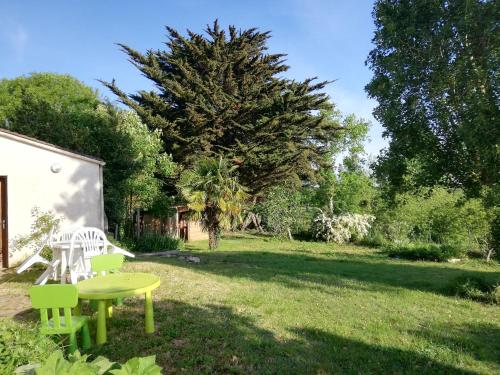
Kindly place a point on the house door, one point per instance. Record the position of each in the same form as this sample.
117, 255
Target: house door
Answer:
3, 222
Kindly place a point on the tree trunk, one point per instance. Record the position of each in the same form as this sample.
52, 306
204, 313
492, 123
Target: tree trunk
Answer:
213, 240
256, 222
489, 253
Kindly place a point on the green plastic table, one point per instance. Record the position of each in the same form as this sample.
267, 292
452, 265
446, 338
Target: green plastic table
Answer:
104, 289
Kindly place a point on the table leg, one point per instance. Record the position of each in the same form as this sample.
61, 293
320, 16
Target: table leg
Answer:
109, 308
148, 312
101, 322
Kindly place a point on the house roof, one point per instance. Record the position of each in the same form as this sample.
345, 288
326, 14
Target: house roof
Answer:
48, 146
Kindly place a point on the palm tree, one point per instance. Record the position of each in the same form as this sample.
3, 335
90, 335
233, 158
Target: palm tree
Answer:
214, 194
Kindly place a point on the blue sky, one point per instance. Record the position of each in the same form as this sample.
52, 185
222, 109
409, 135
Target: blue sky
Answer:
328, 39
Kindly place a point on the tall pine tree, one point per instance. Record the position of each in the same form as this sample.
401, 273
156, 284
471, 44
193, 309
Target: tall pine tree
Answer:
221, 93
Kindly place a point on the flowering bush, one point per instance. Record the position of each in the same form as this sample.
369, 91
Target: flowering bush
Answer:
341, 228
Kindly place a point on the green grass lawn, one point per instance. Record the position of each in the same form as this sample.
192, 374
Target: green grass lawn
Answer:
259, 305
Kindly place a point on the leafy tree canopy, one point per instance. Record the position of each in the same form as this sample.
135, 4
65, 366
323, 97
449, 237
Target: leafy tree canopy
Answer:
343, 171
61, 110
222, 93
436, 79
213, 192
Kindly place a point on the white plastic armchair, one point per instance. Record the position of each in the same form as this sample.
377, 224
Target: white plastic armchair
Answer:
52, 266
118, 250
86, 243
36, 257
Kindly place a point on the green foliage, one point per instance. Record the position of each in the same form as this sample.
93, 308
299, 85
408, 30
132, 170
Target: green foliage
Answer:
436, 215
139, 366
336, 182
436, 68
58, 90
283, 211
152, 242
214, 194
477, 288
148, 167
222, 94
43, 223
349, 141
79, 364
424, 251
354, 193
21, 343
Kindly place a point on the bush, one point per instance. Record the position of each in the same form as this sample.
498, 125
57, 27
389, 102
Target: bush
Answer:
477, 289
20, 344
152, 242
78, 364
341, 228
435, 216
425, 251
374, 238
283, 212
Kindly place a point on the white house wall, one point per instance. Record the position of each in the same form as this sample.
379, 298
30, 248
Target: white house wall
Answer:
75, 193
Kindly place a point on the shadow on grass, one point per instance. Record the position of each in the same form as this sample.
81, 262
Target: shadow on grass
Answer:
29, 276
214, 339
481, 341
297, 270
217, 339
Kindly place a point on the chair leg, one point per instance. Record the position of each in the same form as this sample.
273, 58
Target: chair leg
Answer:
72, 342
77, 310
109, 308
85, 337
44, 277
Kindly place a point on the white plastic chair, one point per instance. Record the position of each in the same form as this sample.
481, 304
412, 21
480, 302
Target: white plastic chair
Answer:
86, 243
59, 256
36, 257
118, 250
52, 270
60, 237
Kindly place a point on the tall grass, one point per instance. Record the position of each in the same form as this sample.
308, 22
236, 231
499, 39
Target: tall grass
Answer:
152, 242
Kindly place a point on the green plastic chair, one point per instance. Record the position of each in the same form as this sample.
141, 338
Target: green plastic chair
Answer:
106, 263
56, 297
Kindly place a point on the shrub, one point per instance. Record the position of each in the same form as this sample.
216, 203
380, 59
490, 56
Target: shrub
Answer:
424, 251
43, 223
374, 238
477, 288
435, 216
78, 364
341, 228
152, 242
283, 212
20, 344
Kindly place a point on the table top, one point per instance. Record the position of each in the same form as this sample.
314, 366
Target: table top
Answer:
117, 285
